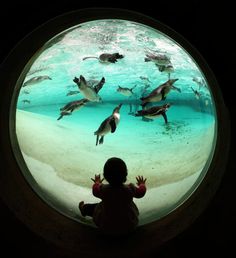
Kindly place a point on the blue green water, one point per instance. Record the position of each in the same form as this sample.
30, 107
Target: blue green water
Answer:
154, 149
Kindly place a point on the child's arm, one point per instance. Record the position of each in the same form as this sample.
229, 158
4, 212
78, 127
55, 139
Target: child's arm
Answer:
97, 185
139, 191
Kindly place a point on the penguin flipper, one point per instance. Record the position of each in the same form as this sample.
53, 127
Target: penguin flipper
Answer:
98, 87
113, 125
165, 117
112, 59
60, 117
76, 80
163, 95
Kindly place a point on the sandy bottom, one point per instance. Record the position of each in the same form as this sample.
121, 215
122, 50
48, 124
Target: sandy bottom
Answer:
62, 157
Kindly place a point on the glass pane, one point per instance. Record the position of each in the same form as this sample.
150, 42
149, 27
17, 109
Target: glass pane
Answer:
167, 120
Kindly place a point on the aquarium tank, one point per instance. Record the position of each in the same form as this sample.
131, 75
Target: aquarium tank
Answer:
115, 88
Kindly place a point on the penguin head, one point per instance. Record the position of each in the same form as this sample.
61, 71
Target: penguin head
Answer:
166, 106
173, 81
117, 109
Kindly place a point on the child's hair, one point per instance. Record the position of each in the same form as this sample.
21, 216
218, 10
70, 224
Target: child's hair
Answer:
115, 171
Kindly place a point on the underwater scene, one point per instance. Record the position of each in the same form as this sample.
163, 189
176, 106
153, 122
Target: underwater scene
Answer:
115, 88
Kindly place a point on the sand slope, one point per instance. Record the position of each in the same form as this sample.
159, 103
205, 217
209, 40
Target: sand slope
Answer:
63, 157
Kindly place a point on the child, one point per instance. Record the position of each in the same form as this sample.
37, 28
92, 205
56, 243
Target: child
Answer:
116, 213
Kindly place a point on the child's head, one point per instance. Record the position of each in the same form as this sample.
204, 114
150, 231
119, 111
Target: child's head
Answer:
115, 171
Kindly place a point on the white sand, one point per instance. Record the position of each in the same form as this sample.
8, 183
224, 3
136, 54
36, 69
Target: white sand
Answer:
62, 158
66, 196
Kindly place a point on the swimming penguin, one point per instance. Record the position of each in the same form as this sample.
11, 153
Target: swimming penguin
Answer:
71, 106
166, 69
108, 125
26, 92
106, 58
90, 93
26, 101
145, 79
158, 59
154, 112
196, 93
72, 92
36, 79
126, 91
160, 92
200, 81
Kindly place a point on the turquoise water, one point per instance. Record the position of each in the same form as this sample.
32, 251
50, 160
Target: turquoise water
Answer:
170, 155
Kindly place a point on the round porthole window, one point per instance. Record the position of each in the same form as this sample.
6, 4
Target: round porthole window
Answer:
94, 85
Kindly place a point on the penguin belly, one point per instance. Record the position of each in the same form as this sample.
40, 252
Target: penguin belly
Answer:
152, 116
90, 94
155, 98
106, 130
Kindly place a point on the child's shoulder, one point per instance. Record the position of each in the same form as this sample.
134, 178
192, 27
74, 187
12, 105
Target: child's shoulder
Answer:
130, 186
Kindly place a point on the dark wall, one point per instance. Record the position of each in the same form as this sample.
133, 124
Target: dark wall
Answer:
210, 29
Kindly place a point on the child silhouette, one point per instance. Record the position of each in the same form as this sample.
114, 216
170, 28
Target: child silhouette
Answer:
116, 213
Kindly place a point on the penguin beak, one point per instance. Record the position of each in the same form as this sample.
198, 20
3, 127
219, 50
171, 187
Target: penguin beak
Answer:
174, 80
119, 106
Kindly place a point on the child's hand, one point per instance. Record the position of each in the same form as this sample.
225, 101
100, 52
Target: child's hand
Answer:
97, 179
140, 180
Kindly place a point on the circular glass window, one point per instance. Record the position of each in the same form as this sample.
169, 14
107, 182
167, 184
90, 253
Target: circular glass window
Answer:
114, 87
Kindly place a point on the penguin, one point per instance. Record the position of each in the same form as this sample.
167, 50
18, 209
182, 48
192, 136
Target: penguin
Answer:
154, 112
71, 106
128, 92
35, 80
106, 58
166, 69
90, 93
26, 101
160, 92
26, 92
200, 81
72, 92
108, 125
145, 79
158, 59
196, 93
